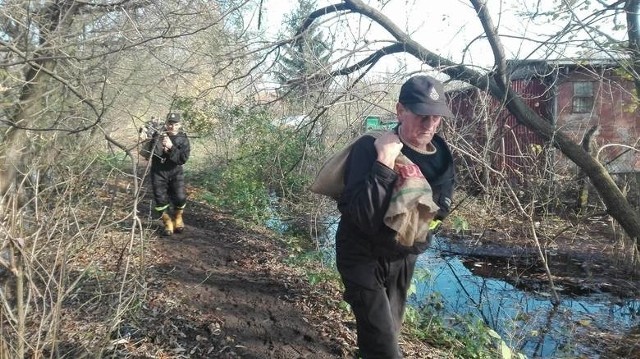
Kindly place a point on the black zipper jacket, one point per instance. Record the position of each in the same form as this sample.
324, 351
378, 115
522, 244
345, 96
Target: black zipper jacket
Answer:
362, 236
178, 156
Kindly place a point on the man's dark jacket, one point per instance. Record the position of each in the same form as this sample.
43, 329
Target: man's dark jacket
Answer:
177, 156
362, 237
167, 176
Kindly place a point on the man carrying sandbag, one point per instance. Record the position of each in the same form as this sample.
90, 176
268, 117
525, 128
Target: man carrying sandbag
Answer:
398, 186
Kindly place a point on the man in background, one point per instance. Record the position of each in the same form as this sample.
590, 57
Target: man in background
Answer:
169, 150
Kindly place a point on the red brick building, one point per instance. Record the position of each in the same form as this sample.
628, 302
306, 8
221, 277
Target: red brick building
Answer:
575, 96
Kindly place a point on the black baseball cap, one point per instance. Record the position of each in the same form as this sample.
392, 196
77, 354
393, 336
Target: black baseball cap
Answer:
424, 95
173, 117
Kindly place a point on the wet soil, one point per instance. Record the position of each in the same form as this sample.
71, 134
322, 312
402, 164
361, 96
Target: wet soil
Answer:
221, 291
580, 264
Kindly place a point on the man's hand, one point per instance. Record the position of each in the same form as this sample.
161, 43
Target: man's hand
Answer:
167, 145
388, 147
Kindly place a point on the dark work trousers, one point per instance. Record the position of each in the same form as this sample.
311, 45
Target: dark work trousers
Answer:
379, 311
168, 188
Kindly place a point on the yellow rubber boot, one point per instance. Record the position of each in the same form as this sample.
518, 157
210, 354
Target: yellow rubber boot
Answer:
168, 224
177, 221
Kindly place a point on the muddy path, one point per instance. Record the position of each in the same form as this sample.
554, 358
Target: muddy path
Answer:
220, 291
224, 290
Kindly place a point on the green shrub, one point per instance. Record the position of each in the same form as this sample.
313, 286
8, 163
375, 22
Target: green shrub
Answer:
262, 164
466, 336
238, 189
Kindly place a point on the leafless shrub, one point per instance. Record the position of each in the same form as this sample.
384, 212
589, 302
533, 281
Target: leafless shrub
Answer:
59, 258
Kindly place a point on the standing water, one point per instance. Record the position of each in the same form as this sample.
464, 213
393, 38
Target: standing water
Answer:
526, 320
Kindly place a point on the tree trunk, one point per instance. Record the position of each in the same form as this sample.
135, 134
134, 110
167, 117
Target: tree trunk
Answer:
583, 193
15, 147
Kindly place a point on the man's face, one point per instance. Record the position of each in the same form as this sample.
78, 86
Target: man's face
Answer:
172, 127
415, 129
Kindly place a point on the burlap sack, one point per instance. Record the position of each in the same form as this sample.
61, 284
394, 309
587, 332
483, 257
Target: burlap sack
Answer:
330, 178
411, 208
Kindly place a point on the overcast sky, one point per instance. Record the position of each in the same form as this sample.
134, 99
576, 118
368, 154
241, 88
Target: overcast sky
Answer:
448, 27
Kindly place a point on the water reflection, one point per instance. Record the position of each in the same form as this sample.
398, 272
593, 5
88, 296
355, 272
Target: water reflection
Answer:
526, 320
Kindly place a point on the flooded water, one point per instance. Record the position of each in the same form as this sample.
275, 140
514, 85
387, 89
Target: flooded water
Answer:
526, 319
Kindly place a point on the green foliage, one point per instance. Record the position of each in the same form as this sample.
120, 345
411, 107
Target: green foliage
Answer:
198, 117
308, 55
265, 160
323, 276
298, 251
465, 336
241, 191
108, 161
420, 275
344, 306
411, 316
460, 224
477, 338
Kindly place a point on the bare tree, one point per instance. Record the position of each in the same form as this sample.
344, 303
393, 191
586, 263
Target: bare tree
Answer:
73, 64
76, 77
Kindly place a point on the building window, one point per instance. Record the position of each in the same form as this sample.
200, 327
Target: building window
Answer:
582, 97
